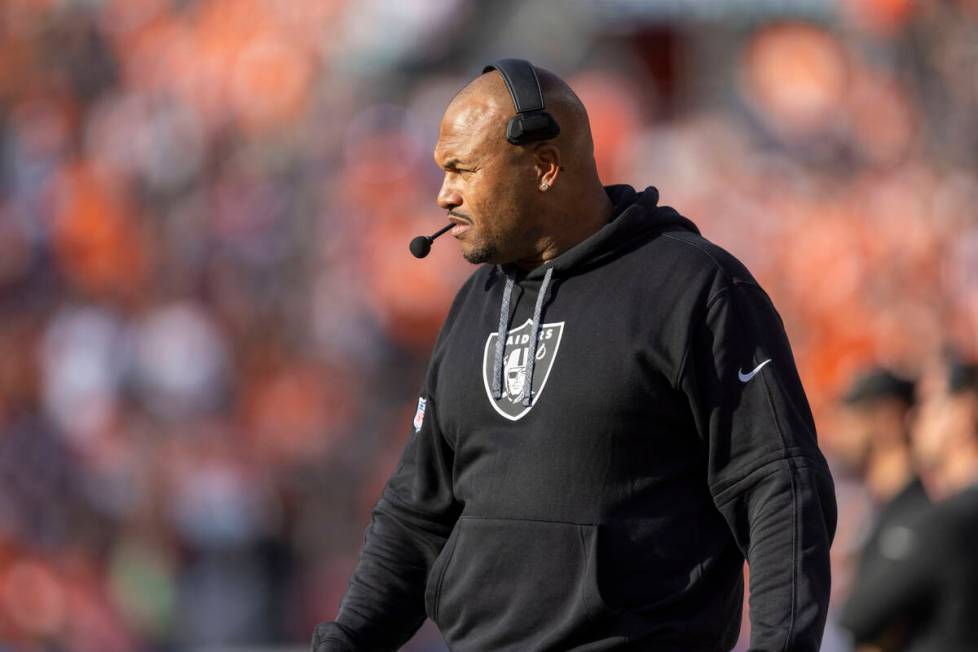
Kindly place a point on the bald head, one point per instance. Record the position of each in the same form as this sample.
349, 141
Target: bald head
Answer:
487, 102
520, 204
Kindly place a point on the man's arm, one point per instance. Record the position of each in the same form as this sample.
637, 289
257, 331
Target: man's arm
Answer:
384, 604
766, 474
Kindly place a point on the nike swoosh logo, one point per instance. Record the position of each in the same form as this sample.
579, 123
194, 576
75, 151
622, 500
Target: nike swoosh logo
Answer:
745, 377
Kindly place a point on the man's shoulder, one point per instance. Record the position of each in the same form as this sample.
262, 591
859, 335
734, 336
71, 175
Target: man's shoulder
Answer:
481, 278
943, 525
689, 255
958, 512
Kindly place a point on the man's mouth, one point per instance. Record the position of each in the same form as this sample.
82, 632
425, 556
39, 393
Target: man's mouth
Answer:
461, 225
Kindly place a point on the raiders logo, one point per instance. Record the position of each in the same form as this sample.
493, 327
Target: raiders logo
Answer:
515, 367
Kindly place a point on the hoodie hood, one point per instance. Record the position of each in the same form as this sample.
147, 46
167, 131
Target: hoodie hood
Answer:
636, 218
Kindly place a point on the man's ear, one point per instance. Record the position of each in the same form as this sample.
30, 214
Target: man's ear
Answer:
546, 161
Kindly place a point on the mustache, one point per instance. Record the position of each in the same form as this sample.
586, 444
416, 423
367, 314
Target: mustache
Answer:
460, 216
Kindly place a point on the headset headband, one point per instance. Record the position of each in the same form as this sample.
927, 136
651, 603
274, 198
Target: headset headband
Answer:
531, 122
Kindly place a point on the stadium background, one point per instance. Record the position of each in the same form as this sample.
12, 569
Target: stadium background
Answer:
211, 330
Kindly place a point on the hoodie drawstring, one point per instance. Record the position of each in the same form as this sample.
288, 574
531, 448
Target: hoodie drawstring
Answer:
526, 394
531, 355
497, 363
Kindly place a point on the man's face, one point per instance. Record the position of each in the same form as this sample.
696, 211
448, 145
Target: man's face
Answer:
488, 188
945, 422
852, 438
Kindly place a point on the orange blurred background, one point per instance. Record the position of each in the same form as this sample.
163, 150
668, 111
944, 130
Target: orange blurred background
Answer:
212, 330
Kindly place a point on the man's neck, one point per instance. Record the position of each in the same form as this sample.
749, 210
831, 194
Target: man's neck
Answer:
889, 471
579, 219
961, 470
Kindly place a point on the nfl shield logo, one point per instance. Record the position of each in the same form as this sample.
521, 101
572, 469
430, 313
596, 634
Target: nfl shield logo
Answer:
515, 368
419, 415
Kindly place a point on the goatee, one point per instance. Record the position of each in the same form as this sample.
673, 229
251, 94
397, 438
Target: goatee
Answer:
479, 255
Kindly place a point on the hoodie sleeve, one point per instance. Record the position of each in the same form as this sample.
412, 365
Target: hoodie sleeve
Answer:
384, 603
765, 471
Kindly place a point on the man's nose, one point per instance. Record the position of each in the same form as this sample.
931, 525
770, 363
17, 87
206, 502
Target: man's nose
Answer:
448, 197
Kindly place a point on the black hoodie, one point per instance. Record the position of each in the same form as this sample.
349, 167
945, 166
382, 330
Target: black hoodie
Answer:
665, 437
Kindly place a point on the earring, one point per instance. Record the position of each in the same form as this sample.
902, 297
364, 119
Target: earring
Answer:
544, 187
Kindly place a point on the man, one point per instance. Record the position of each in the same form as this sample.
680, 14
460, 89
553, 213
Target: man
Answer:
944, 442
922, 595
875, 430
604, 494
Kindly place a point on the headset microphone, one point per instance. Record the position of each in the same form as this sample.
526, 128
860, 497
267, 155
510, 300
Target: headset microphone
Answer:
421, 245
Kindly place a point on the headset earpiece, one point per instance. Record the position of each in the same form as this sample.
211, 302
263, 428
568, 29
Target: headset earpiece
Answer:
531, 122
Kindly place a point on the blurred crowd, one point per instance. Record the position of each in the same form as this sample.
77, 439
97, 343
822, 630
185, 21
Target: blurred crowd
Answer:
211, 330
905, 577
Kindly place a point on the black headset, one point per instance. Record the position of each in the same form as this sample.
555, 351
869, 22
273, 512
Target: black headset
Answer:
531, 122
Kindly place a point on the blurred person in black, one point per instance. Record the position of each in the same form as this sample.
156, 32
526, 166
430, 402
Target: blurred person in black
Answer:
875, 441
611, 422
922, 594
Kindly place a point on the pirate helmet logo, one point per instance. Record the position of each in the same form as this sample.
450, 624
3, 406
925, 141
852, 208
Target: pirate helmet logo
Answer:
515, 367
515, 373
